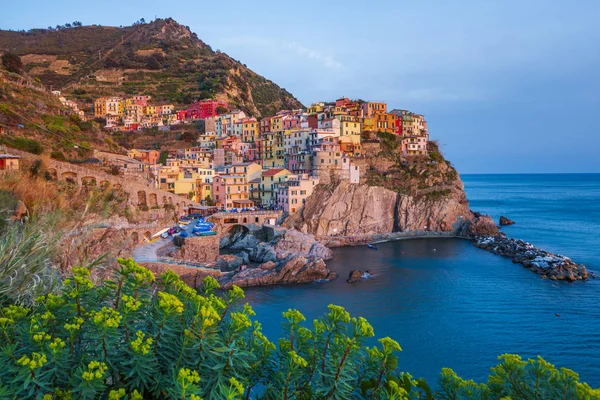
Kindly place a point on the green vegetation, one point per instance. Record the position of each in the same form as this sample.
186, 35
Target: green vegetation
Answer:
23, 143
136, 336
26, 252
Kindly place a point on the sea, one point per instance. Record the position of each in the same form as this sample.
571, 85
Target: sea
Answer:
452, 305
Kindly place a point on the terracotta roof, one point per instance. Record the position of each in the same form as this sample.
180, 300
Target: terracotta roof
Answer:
272, 171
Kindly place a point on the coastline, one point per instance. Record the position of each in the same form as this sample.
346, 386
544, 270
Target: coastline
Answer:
376, 238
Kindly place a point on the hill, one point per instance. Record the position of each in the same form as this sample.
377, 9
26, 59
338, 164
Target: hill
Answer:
34, 120
163, 59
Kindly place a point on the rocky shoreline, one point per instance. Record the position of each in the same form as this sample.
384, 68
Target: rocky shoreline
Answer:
284, 256
542, 262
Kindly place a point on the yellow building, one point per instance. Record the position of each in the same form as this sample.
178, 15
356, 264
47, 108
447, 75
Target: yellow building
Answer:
250, 130
187, 187
100, 107
315, 108
268, 185
150, 110
115, 106
276, 123
369, 124
249, 170
350, 126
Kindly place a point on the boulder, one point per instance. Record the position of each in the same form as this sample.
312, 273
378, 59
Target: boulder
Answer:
354, 276
228, 262
294, 270
267, 266
505, 221
483, 226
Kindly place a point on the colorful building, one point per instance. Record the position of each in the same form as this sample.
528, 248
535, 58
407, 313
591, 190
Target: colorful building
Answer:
270, 178
292, 194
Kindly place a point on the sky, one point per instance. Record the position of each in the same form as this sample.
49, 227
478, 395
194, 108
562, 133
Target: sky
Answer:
506, 86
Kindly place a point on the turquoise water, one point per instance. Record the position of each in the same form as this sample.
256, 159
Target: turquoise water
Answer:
450, 304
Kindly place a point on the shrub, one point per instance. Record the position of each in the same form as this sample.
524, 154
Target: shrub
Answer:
144, 337
12, 62
58, 155
24, 144
26, 269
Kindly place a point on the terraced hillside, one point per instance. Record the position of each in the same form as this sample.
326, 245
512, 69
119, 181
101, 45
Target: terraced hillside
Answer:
163, 59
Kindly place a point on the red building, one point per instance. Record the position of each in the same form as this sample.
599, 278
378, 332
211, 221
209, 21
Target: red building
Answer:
205, 108
313, 122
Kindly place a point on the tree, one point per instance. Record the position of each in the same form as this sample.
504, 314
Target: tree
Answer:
77, 23
222, 110
12, 62
67, 25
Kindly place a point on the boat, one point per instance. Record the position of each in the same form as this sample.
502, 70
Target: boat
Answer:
160, 233
372, 246
164, 235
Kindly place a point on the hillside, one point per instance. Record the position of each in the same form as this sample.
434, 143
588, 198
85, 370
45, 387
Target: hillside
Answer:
163, 59
34, 120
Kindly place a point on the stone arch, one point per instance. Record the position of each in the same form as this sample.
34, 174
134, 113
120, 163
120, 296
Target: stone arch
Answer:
235, 229
256, 220
69, 176
147, 235
245, 220
152, 200
164, 199
88, 181
135, 237
142, 198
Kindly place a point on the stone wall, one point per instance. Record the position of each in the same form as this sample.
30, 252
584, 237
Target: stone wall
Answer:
198, 250
140, 193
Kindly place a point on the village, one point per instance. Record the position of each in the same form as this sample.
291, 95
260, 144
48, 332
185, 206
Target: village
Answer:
242, 162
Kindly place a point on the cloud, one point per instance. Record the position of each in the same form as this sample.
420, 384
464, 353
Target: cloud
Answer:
325, 60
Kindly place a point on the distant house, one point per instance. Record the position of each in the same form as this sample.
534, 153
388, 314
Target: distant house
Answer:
9, 162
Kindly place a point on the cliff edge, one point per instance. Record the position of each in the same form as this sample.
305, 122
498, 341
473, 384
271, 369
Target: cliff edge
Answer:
395, 194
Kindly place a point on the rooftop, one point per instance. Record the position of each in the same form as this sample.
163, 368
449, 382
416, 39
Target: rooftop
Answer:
272, 171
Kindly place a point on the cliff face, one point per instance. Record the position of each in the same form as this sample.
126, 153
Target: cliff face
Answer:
359, 209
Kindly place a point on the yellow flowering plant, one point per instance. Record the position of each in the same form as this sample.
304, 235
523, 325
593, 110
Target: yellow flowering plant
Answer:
141, 336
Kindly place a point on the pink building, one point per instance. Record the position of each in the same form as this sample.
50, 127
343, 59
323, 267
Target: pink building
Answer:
292, 194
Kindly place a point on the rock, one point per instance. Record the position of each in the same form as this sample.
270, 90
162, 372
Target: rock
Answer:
354, 276
555, 267
349, 209
267, 266
229, 262
295, 270
244, 256
483, 226
505, 221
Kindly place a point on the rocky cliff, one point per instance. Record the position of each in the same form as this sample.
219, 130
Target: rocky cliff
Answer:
396, 194
358, 209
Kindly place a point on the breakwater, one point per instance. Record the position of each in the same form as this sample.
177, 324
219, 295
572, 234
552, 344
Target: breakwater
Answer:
542, 262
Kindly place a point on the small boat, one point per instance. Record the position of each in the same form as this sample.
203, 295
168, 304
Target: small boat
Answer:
372, 246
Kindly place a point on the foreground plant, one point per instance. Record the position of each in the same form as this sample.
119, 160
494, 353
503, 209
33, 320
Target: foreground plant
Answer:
141, 337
